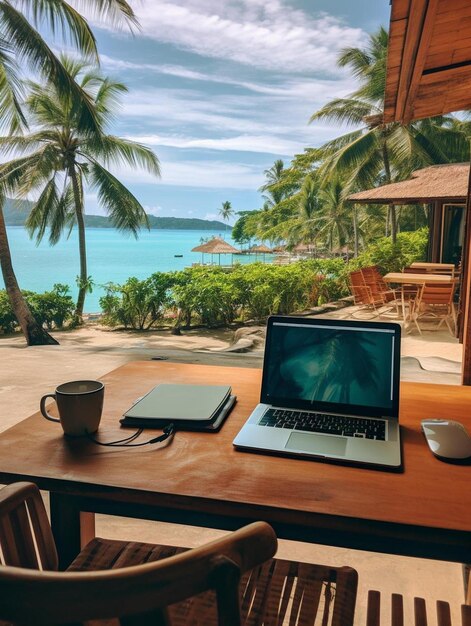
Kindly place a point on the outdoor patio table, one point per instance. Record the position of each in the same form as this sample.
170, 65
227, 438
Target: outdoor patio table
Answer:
430, 267
403, 278
200, 479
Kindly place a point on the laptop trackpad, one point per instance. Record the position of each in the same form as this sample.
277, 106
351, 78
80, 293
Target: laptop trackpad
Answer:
317, 444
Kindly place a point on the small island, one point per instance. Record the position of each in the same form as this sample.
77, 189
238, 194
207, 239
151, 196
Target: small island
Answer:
17, 211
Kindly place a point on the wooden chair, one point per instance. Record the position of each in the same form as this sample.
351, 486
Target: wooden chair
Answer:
435, 302
374, 279
370, 295
443, 614
229, 582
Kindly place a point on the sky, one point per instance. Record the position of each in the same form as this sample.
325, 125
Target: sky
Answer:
220, 89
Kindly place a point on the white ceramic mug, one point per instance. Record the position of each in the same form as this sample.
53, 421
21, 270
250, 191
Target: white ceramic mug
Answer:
80, 404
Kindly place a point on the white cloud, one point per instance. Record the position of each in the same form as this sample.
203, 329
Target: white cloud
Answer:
287, 88
210, 174
268, 144
212, 216
152, 210
190, 118
270, 35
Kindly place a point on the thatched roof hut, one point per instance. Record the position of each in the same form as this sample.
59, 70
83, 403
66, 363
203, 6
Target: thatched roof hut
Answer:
444, 189
260, 248
215, 246
447, 182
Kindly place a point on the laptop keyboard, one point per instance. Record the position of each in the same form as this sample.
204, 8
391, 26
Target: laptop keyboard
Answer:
324, 423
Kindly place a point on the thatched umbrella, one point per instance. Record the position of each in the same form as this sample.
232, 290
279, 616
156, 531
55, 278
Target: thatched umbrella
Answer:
261, 248
215, 246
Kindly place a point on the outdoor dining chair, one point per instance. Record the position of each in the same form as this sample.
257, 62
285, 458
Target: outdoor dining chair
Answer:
371, 293
374, 279
232, 581
435, 302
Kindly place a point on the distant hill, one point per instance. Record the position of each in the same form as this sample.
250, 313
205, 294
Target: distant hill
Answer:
16, 212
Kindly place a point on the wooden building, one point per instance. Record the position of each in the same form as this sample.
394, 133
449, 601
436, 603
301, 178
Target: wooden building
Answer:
429, 73
443, 189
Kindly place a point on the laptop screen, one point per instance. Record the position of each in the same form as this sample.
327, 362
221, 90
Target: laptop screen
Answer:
339, 366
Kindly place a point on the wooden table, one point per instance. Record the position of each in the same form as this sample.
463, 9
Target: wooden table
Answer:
430, 267
200, 479
404, 278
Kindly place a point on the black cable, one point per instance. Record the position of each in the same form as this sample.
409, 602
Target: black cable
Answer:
169, 431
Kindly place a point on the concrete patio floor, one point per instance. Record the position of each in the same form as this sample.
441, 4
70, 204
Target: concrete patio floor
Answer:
27, 373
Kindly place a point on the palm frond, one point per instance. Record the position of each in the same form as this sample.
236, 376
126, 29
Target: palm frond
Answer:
107, 98
38, 219
115, 150
64, 214
113, 12
24, 143
334, 145
11, 91
125, 211
351, 156
346, 111
358, 60
14, 173
31, 47
46, 107
60, 15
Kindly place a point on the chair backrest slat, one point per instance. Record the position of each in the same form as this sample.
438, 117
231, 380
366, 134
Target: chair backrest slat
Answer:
25, 534
443, 613
397, 609
466, 614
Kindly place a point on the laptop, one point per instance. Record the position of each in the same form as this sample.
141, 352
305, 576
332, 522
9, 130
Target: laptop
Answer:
330, 391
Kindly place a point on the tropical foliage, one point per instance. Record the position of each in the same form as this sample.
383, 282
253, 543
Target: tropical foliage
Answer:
138, 304
51, 309
304, 203
214, 296
58, 159
22, 43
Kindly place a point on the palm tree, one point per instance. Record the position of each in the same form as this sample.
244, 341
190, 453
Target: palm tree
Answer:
274, 176
379, 152
60, 158
226, 211
21, 41
335, 219
303, 226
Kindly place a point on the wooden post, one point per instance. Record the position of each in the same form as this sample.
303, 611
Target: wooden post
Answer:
465, 293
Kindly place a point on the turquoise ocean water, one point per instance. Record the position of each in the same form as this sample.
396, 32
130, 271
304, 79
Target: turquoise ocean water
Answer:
112, 257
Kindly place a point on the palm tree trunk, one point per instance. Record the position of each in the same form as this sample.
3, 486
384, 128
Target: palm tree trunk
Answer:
34, 334
83, 277
392, 208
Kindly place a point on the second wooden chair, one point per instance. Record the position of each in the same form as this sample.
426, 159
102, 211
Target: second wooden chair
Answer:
229, 582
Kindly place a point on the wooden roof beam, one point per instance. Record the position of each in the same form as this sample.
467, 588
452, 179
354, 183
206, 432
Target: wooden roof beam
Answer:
421, 20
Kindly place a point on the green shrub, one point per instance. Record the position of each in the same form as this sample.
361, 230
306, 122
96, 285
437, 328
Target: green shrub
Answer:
263, 290
389, 257
138, 304
216, 296
8, 321
205, 293
51, 308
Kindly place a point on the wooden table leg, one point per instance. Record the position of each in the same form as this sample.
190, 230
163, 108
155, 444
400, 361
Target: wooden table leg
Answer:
72, 528
467, 582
